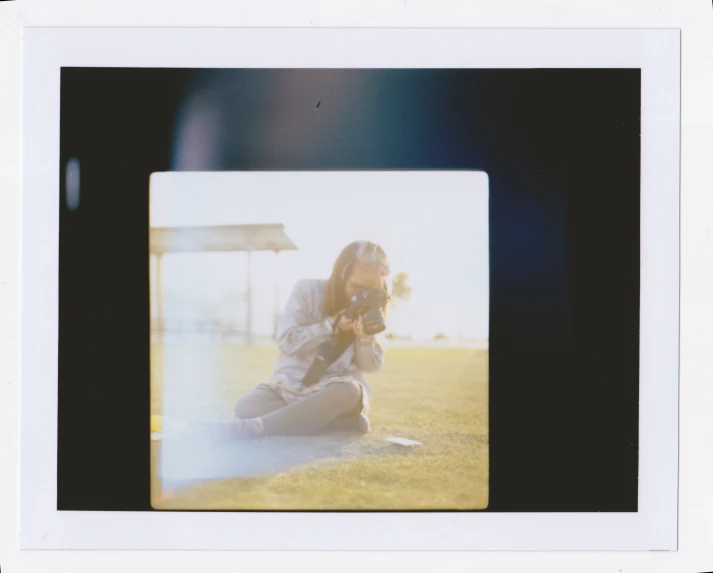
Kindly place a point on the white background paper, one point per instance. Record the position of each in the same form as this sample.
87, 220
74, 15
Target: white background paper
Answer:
651, 527
696, 497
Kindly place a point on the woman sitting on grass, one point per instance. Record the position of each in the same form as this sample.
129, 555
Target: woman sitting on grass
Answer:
339, 399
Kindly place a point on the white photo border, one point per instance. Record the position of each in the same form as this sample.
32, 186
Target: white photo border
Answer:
655, 52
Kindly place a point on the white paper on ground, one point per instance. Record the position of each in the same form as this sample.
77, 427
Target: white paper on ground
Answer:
403, 441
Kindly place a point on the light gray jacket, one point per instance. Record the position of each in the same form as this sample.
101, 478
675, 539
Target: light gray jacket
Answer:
301, 330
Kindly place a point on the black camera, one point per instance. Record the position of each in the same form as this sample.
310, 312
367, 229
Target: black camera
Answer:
369, 303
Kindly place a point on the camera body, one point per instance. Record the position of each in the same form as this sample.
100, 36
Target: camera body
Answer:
369, 304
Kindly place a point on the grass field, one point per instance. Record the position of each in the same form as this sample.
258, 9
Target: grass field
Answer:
437, 396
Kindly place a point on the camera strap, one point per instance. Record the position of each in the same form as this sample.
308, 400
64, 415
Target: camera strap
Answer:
327, 353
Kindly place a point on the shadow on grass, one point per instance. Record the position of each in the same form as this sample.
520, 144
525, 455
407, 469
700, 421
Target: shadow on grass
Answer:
184, 461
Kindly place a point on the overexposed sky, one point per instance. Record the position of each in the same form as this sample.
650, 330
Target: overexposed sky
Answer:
433, 225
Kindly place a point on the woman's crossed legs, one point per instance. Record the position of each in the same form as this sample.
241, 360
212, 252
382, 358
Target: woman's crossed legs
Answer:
335, 407
258, 402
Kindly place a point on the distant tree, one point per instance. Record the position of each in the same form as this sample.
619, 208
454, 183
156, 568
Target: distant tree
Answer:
400, 287
440, 336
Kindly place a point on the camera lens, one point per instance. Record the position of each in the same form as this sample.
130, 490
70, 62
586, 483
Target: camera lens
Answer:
374, 322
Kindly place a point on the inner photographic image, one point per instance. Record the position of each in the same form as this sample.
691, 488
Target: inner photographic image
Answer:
319, 340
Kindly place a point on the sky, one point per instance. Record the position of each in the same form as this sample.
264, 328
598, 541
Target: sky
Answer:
433, 225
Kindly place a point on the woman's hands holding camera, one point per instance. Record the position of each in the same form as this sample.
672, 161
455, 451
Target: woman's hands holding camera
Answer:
342, 322
358, 328
346, 324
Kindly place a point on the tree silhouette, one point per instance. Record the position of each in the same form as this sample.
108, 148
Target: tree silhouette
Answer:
400, 288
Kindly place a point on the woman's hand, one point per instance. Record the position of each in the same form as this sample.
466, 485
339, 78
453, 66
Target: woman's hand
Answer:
358, 328
342, 322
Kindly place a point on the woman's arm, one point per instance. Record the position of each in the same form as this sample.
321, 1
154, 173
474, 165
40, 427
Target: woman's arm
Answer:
296, 334
368, 354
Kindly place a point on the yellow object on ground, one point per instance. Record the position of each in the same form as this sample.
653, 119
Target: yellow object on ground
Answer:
164, 425
156, 423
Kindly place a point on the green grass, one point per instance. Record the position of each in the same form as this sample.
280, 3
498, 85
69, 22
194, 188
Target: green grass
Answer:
436, 396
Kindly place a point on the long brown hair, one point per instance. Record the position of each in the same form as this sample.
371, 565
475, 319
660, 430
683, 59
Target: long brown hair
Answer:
364, 252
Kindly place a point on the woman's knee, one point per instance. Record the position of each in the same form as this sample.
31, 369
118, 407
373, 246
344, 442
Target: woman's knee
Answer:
244, 408
349, 393
257, 403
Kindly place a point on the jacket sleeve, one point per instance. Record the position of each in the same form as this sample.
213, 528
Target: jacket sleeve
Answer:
368, 354
296, 334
